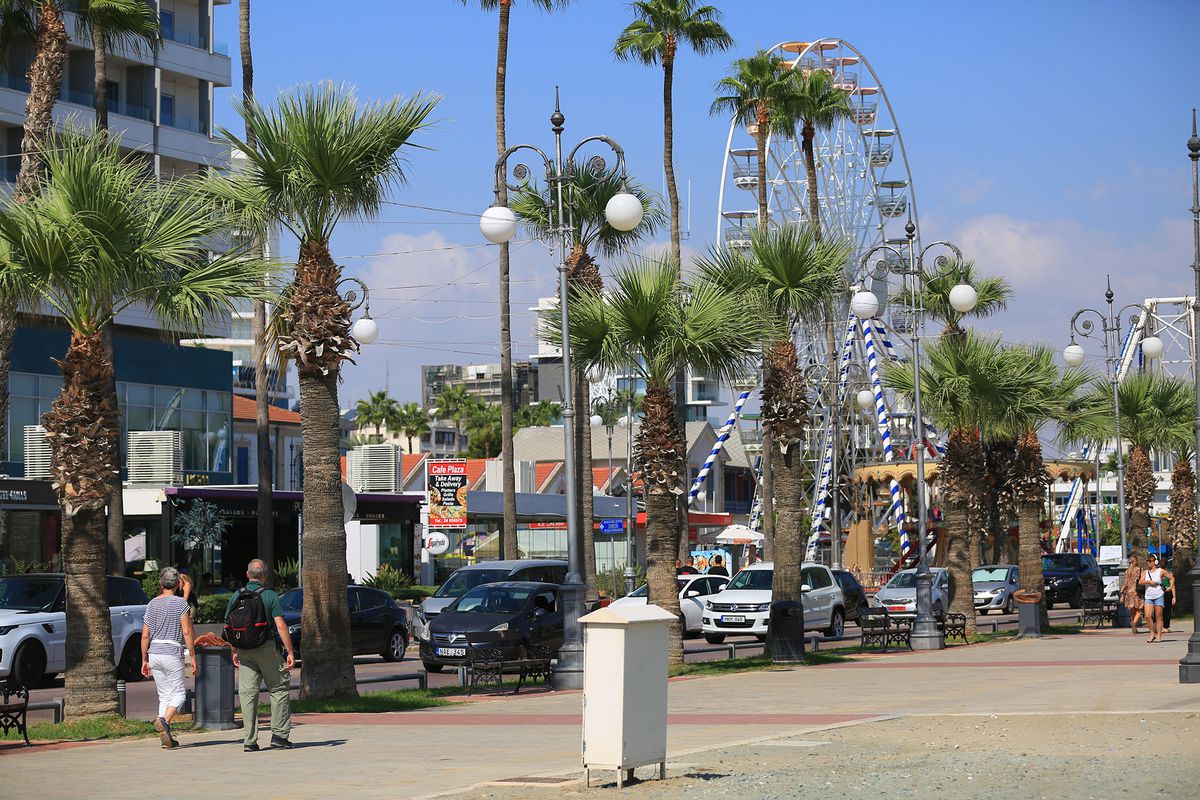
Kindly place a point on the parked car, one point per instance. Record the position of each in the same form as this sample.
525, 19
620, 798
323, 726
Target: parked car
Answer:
377, 623
33, 627
464, 578
744, 605
693, 591
899, 595
1071, 578
1111, 574
853, 593
994, 585
528, 611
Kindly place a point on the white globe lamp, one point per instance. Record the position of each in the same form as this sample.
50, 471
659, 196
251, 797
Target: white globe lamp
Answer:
596, 420
864, 304
624, 211
498, 224
365, 330
1073, 355
963, 298
865, 399
1152, 347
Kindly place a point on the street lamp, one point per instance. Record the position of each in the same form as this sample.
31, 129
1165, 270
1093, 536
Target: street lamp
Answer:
1189, 665
1083, 325
925, 632
365, 330
630, 503
498, 224
604, 409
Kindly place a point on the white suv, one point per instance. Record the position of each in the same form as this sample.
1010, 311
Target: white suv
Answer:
744, 605
33, 627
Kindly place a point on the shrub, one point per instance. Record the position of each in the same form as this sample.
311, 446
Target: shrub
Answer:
612, 582
388, 579
150, 584
415, 593
210, 610
287, 575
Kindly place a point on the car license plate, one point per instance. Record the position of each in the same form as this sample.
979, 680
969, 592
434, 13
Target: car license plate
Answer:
728, 618
897, 608
452, 651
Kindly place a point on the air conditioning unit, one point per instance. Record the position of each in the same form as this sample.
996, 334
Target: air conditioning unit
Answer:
37, 453
155, 457
374, 468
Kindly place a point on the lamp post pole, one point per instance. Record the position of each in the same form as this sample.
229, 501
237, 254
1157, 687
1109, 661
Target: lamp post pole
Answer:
630, 504
498, 224
1189, 665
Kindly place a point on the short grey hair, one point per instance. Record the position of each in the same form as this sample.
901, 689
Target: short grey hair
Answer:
168, 578
257, 568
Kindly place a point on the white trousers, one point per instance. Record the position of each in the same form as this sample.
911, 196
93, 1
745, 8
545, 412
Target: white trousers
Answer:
168, 680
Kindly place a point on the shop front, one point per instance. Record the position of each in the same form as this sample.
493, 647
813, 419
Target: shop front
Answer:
29, 526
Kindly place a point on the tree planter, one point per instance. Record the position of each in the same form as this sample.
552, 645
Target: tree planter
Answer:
1029, 614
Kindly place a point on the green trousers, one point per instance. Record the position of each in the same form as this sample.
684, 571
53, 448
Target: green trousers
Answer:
264, 664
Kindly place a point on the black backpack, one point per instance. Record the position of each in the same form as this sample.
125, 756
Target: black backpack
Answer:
247, 625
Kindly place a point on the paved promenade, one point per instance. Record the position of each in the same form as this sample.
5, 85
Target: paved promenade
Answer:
439, 751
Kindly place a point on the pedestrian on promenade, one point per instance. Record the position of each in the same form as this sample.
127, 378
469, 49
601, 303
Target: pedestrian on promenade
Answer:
1168, 585
689, 568
248, 618
166, 631
1152, 580
718, 567
1131, 592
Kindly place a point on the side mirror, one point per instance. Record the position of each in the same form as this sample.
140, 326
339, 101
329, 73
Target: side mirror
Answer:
805, 588
692, 593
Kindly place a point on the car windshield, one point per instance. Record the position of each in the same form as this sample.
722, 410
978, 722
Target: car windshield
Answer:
466, 579
493, 600
1061, 561
902, 580
1111, 570
986, 574
21, 593
641, 591
292, 601
752, 579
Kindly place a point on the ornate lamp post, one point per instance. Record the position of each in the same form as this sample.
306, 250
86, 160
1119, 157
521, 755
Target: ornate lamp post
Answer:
925, 633
1189, 665
498, 225
1083, 325
630, 503
604, 411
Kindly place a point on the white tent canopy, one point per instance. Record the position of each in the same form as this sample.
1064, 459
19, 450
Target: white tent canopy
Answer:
739, 534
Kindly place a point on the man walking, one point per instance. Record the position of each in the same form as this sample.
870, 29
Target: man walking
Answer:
248, 619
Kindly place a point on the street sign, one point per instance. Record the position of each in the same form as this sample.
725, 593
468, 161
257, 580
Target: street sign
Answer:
612, 525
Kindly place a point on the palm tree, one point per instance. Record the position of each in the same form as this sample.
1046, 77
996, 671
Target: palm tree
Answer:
992, 296
817, 104
508, 531
759, 91
483, 431
786, 275
456, 403
648, 312
95, 237
967, 384
1157, 412
1183, 518
654, 38
412, 421
111, 24
379, 409
587, 194
318, 158
543, 413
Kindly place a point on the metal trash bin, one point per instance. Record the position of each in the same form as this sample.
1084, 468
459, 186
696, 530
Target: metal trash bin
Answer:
214, 689
1029, 614
785, 632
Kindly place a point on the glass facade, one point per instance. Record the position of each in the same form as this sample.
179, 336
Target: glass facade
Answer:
30, 397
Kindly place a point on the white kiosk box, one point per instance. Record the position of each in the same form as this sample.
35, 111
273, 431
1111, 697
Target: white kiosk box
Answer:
625, 690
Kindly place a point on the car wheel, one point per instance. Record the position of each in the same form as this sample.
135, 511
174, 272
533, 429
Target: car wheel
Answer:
430, 667
714, 638
837, 624
29, 666
938, 611
1077, 598
396, 644
129, 668
1008, 605
984, 611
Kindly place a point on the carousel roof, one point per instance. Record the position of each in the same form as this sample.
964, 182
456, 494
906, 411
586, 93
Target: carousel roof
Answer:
907, 470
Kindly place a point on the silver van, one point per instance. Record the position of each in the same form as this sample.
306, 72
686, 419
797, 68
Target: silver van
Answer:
540, 570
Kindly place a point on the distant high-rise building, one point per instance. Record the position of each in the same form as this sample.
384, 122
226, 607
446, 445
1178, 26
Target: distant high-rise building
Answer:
480, 380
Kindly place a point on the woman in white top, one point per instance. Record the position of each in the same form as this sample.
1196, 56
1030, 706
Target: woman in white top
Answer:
166, 631
1152, 579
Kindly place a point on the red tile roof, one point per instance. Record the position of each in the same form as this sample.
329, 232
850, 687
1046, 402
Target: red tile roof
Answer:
600, 477
543, 472
409, 463
243, 408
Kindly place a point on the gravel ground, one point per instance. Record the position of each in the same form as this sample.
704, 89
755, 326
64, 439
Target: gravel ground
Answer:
1021, 756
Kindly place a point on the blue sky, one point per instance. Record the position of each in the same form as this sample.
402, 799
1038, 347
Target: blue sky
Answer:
1046, 138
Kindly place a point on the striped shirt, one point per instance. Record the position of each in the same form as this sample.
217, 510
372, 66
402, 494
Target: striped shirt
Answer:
163, 615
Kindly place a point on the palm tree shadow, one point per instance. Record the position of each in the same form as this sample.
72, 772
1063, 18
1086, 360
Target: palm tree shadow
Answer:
295, 745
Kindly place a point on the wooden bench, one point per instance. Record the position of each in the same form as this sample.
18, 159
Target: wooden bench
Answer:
490, 656
14, 707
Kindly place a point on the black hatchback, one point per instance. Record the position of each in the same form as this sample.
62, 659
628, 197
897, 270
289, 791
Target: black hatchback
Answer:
1071, 578
853, 592
527, 612
377, 623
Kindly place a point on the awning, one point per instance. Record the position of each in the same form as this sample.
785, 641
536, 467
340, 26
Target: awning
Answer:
739, 534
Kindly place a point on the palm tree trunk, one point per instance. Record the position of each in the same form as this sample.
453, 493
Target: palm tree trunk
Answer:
1139, 492
82, 429
1029, 549
1183, 529
956, 526
8, 328
508, 530
100, 79
661, 452
760, 141
116, 498
768, 498
263, 456
785, 411
45, 83
317, 314
583, 482
668, 65
810, 168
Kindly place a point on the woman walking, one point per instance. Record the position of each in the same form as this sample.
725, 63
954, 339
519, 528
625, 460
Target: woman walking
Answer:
1152, 580
166, 631
1131, 596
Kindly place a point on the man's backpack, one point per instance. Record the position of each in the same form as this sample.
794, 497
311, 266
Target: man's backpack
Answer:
247, 625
